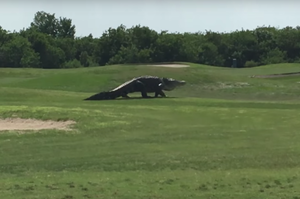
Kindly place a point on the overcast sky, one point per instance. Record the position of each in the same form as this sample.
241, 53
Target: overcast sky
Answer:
92, 16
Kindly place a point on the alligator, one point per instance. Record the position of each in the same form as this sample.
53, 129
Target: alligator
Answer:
142, 84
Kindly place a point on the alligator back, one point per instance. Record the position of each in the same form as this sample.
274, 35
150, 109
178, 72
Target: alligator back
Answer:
150, 82
124, 85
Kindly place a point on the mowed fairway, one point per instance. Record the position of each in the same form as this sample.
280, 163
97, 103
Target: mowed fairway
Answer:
223, 135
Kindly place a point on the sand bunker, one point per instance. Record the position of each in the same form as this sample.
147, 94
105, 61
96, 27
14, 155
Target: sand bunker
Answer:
10, 124
170, 65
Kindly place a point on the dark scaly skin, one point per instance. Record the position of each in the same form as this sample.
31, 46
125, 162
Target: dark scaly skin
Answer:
143, 84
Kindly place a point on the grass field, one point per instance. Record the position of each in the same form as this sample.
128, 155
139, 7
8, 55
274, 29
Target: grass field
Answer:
223, 135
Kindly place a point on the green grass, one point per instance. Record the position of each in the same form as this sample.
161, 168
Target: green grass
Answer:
223, 135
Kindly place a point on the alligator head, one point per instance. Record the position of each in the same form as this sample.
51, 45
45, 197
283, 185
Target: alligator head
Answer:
170, 83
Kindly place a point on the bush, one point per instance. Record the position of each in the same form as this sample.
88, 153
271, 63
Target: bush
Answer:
92, 62
72, 64
274, 56
250, 64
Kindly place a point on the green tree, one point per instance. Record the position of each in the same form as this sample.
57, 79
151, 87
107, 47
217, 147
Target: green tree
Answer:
191, 47
4, 36
243, 46
18, 53
48, 24
110, 43
67, 45
266, 39
84, 59
167, 47
45, 23
208, 54
53, 52
142, 37
85, 44
288, 40
55, 57
65, 28
51, 43
274, 56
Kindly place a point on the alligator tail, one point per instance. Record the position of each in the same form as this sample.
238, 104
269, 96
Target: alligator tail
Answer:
106, 95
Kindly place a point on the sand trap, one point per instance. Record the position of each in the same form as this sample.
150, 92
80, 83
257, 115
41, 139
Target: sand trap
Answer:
10, 124
170, 65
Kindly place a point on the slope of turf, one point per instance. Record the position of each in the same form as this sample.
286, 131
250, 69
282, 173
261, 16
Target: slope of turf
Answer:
185, 146
202, 81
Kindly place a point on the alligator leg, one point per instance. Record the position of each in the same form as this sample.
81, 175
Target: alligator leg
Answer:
160, 91
139, 86
125, 95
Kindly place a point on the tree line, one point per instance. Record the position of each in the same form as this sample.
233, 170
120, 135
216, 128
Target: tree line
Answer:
50, 42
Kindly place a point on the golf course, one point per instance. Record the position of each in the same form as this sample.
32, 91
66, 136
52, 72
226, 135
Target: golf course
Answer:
229, 133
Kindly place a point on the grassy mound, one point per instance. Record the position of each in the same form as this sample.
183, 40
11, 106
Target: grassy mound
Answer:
202, 81
223, 135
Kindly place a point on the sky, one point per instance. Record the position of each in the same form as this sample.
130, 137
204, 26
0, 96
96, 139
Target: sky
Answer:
96, 16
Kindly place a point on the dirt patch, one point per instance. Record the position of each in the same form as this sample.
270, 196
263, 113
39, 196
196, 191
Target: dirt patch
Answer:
170, 65
276, 75
10, 124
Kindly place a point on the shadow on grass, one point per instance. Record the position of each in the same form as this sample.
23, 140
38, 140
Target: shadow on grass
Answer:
133, 98
140, 98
